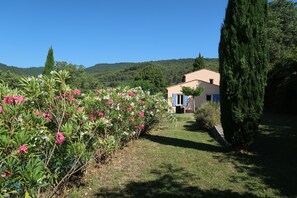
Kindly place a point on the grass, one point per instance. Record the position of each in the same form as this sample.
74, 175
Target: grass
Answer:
178, 160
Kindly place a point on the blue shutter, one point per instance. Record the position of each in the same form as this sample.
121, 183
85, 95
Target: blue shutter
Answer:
216, 97
185, 101
174, 97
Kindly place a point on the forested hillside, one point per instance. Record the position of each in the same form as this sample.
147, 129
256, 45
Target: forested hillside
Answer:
31, 71
119, 73
115, 74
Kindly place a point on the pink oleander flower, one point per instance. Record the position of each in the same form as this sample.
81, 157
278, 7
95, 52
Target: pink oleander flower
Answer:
8, 100
1, 109
3, 175
101, 114
59, 138
72, 99
76, 92
92, 117
13, 99
80, 108
132, 120
129, 109
141, 113
19, 99
67, 94
132, 94
47, 116
58, 97
37, 112
142, 126
22, 149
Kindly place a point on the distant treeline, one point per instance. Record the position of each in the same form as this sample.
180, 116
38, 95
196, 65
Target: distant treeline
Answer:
146, 74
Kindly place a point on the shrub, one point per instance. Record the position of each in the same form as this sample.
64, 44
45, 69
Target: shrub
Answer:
208, 115
49, 132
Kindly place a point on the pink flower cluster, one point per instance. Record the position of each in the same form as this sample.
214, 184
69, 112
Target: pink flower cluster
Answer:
76, 92
7, 172
132, 94
22, 149
141, 113
3, 175
141, 127
68, 94
13, 99
94, 115
59, 138
1, 109
47, 116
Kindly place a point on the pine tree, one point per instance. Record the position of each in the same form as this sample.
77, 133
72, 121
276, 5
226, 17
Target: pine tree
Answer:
243, 58
198, 63
50, 62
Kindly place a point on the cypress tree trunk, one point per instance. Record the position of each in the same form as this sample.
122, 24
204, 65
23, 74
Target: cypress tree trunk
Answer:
50, 62
243, 57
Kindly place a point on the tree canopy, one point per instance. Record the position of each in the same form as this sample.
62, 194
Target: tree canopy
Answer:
50, 62
243, 58
199, 63
282, 26
151, 78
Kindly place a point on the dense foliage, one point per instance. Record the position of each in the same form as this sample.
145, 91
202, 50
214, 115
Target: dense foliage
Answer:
50, 62
208, 115
173, 70
151, 78
282, 25
79, 78
11, 79
243, 56
49, 132
281, 90
198, 63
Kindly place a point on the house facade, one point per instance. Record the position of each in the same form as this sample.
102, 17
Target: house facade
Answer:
181, 103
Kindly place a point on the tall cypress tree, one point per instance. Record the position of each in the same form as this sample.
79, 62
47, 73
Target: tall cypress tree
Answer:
198, 63
243, 58
50, 62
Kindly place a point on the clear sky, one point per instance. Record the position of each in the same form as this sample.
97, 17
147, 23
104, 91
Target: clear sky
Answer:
108, 31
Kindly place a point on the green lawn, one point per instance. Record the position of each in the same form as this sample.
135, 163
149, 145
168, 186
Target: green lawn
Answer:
178, 160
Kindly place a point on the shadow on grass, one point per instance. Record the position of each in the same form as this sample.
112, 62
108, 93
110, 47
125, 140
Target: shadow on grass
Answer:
185, 143
273, 156
170, 182
192, 126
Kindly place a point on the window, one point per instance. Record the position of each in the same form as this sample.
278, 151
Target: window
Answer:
208, 97
180, 100
211, 81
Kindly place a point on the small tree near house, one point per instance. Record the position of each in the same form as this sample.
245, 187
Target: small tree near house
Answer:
188, 91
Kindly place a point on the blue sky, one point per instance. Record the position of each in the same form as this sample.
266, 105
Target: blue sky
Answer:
107, 31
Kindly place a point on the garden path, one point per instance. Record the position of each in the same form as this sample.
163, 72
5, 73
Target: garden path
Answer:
178, 160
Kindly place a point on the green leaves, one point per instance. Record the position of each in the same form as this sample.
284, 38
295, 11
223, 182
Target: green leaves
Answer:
243, 53
54, 131
50, 62
198, 63
188, 91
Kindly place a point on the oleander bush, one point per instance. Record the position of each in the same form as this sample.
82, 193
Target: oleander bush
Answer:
49, 132
208, 115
